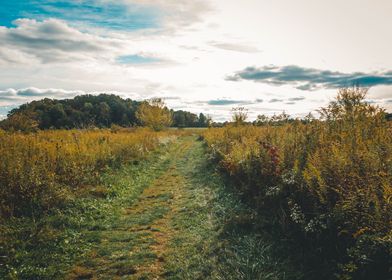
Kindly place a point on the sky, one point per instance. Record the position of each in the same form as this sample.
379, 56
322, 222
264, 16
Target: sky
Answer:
201, 55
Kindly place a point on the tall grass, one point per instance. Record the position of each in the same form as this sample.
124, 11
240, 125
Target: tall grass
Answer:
39, 171
327, 183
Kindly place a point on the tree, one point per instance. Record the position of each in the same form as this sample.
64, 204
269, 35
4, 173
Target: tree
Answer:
20, 122
262, 120
154, 114
84, 111
202, 120
103, 114
240, 114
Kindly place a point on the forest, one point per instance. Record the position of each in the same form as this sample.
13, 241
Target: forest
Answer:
86, 111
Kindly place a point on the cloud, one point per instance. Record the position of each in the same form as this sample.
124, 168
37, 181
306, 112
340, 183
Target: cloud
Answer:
234, 47
53, 40
222, 102
274, 100
176, 13
296, 98
310, 78
18, 96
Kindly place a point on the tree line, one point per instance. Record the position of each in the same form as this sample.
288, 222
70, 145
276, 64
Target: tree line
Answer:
103, 110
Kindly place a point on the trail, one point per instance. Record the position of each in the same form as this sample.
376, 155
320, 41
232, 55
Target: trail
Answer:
140, 244
185, 223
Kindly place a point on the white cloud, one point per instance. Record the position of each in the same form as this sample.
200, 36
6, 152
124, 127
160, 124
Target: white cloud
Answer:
177, 13
13, 96
52, 40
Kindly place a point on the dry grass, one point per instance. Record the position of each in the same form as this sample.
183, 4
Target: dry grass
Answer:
40, 170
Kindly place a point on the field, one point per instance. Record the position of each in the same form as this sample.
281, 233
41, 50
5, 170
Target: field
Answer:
279, 199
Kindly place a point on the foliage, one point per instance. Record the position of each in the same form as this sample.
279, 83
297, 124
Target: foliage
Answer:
80, 112
20, 122
86, 111
154, 114
39, 171
187, 119
239, 115
326, 183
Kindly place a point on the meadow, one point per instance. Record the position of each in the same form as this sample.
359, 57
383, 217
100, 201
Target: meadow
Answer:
326, 183
277, 199
39, 171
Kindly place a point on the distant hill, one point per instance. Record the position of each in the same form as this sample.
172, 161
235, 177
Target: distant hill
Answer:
85, 111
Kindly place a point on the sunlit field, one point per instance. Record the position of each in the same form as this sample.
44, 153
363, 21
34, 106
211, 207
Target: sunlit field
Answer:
278, 198
38, 171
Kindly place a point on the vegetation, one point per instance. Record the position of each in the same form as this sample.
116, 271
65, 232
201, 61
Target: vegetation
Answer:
295, 199
48, 246
169, 216
42, 170
154, 114
88, 111
240, 114
326, 183
186, 119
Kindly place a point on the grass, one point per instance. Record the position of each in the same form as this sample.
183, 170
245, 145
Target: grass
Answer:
170, 217
215, 240
46, 248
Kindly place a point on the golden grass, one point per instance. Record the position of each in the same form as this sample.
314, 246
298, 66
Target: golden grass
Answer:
39, 170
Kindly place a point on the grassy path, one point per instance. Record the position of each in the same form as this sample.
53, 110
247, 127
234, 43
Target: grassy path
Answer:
141, 243
185, 224
167, 217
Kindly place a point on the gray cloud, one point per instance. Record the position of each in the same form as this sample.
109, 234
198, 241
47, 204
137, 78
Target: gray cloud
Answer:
17, 96
274, 100
53, 40
309, 78
299, 98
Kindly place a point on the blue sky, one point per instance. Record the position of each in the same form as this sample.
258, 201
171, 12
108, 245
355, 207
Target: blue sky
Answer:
110, 15
136, 59
201, 55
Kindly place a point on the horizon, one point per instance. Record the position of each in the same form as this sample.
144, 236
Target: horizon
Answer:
203, 57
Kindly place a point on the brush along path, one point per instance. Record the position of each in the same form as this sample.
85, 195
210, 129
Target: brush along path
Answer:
141, 243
